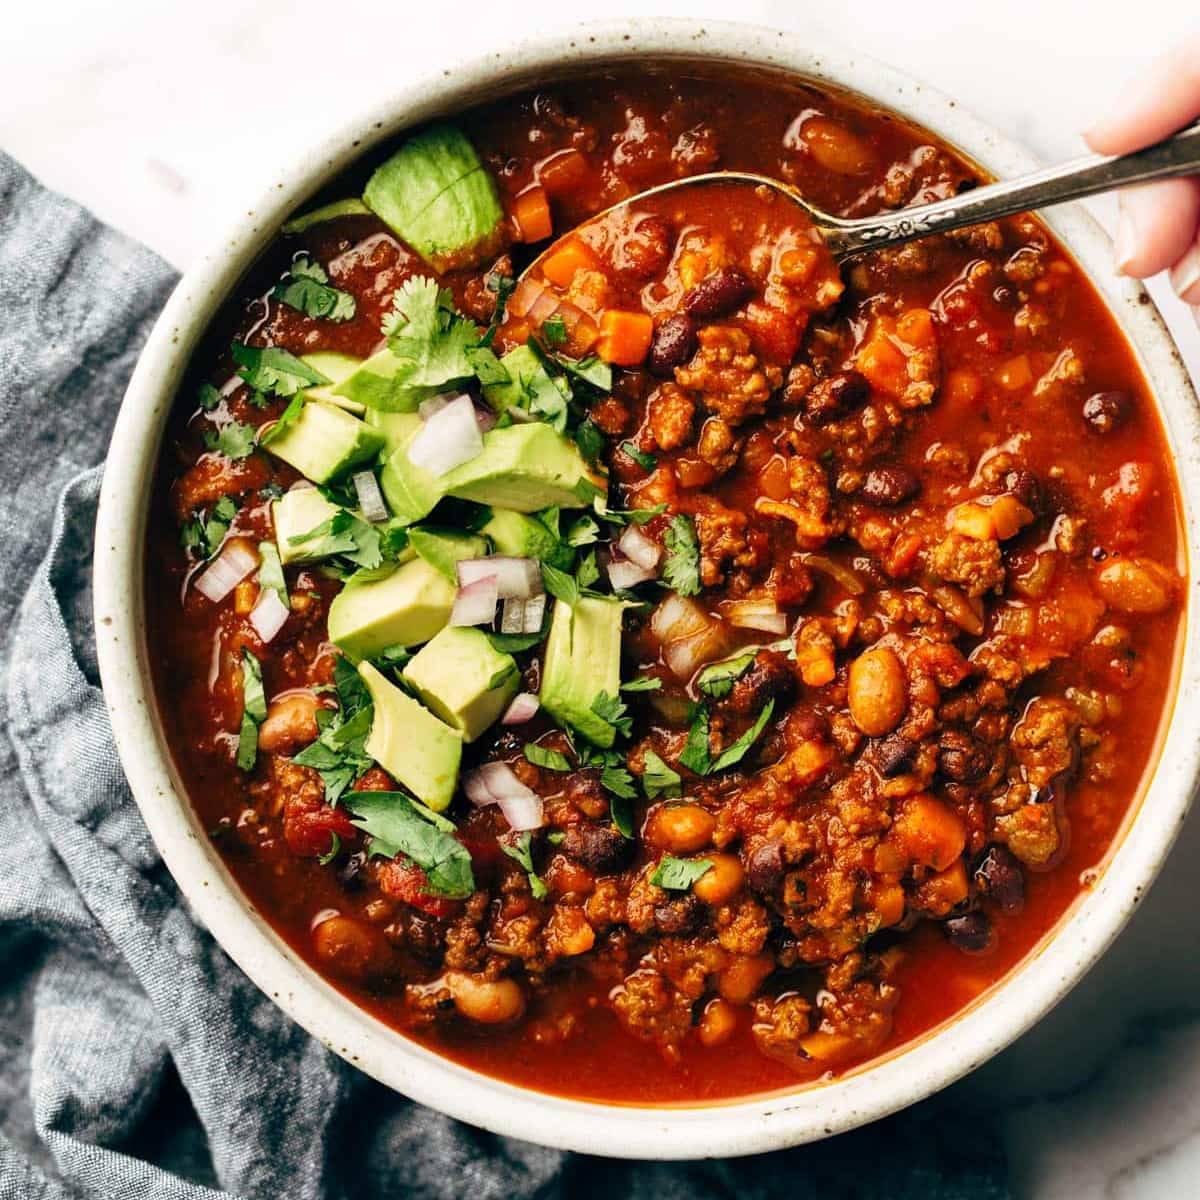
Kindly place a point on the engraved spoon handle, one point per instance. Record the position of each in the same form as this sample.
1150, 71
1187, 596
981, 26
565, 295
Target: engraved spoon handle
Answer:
1177, 155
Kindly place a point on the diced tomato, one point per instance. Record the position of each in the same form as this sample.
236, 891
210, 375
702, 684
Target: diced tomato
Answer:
309, 831
405, 881
573, 256
562, 172
531, 210
375, 780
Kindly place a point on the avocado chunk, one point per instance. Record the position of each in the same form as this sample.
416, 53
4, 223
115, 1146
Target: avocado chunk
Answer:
528, 381
410, 743
350, 207
437, 196
404, 608
464, 679
324, 442
335, 367
442, 548
411, 492
378, 383
583, 659
522, 536
396, 427
296, 513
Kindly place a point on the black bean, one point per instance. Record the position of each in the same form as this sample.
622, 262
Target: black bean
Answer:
962, 758
718, 293
1025, 487
999, 878
836, 395
681, 915
895, 755
769, 677
890, 485
971, 933
1106, 411
673, 343
350, 871
597, 847
765, 867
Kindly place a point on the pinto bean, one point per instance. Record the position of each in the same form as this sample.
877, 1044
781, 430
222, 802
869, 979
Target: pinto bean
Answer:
291, 721
722, 881
890, 485
485, 1001
877, 694
1105, 412
717, 1023
349, 948
718, 293
1136, 585
971, 933
674, 342
680, 828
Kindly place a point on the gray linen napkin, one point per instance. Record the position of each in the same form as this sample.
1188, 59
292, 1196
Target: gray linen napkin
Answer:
135, 1059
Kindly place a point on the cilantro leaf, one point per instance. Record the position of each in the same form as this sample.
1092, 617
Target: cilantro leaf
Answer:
335, 846
254, 711
345, 535
233, 440
737, 751
678, 874
618, 779
398, 825
543, 756
621, 811
554, 330
424, 330
582, 532
631, 516
308, 290
697, 753
286, 420
247, 747
521, 851
646, 461
589, 439
659, 779
208, 397
717, 679
681, 569
612, 709
487, 367
560, 585
587, 572
274, 371
643, 683
592, 371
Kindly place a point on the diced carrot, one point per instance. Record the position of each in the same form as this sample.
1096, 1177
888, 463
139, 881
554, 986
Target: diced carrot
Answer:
776, 335
570, 258
531, 209
624, 337
1016, 373
962, 386
562, 172
916, 327
941, 892
244, 596
881, 361
903, 555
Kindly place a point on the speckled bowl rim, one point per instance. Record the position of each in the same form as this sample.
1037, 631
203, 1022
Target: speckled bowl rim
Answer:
656, 1132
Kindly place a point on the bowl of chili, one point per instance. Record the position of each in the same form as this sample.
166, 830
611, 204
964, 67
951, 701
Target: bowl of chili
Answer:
683, 700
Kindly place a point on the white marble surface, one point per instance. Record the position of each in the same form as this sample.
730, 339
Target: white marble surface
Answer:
138, 109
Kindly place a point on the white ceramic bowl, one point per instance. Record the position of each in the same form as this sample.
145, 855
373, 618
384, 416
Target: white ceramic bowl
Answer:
728, 1128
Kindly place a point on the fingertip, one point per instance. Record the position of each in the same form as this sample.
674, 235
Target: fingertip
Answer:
1157, 225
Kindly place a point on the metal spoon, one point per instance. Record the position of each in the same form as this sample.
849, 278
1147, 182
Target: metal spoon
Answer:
1177, 155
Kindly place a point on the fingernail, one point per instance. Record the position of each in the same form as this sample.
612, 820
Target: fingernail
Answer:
1185, 276
1126, 241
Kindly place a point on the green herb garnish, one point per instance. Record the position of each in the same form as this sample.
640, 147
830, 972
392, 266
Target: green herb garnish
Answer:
678, 874
681, 569
521, 851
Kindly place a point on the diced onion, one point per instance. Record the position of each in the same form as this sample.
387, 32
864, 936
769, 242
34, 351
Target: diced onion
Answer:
519, 577
838, 572
523, 708
624, 574
475, 604
688, 635
687, 655
512, 616
543, 308
497, 783
448, 439
523, 297
435, 404
269, 614
758, 614
677, 617
370, 498
638, 548
226, 571
535, 610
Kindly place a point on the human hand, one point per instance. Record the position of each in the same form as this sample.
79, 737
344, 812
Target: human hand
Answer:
1159, 226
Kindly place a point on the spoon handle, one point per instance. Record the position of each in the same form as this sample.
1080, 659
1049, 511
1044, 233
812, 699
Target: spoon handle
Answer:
1177, 155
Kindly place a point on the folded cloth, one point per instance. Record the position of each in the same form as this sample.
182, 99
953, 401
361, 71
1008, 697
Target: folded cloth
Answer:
135, 1059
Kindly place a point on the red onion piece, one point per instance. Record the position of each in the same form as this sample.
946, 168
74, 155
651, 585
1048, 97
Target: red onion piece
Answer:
448, 439
519, 577
523, 297
485, 418
625, 574
534, 613
475, 604
496, 783
370, 498
638, 548
543, 308
269, 614
523, 708
758, 614
226, 571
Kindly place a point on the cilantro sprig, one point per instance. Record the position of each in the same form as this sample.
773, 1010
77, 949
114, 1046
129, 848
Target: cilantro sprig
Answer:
681, 568
697, 753
521, 852
307, 289
679, 874
339, 755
